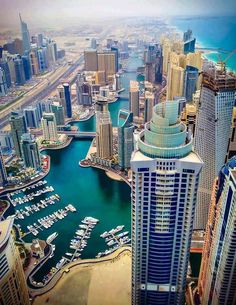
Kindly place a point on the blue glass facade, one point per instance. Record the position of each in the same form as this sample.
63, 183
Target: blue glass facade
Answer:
67, 100
190, 82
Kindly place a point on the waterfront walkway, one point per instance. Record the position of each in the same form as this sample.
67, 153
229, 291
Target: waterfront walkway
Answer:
103, 281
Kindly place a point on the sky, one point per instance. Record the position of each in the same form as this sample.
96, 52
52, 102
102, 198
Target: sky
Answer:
58, 11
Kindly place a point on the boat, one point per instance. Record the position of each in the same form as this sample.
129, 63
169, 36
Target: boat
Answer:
105, 234
69, 254
60, 263
51, 237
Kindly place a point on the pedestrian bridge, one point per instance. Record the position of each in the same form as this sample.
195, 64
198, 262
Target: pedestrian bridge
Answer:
80, 134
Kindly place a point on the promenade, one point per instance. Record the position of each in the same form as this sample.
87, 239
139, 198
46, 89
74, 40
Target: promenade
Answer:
104, 281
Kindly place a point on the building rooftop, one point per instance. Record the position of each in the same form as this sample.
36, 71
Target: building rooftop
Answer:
5, 230
165, 136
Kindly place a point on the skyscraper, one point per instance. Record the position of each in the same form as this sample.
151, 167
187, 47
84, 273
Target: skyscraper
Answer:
34, 62
212, 133
116, 51
13, 289
125, 138
148, 105
19, 71
25, 35
58, 111
64, 94
67, 99
18, 127
26, 66
30, 151
190, 82
175, 82
93, 43
165, 173
217, 280
90, 60
83, 91
31, 117
134, 97
49, 127
107, 63
104, 136
3, 83
4, 65
3, 173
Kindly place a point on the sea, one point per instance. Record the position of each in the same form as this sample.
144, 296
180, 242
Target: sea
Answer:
211, 32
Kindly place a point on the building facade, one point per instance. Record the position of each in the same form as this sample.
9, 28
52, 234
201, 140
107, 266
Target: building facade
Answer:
13, 288
134, 98
125, 138
104, 136
49, 127
217, 280
3, 172
165, 173
18, 128
30, 151
213, 124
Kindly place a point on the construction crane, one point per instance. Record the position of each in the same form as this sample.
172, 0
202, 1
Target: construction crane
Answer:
222, 63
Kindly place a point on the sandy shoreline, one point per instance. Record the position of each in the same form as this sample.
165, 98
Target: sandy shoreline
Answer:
105, 281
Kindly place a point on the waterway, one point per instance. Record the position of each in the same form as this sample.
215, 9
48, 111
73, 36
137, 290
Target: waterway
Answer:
88, 189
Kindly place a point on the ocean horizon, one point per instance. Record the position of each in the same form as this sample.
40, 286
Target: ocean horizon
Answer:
217, 32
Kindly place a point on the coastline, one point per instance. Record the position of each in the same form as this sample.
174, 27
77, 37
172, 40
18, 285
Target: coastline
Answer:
104, 267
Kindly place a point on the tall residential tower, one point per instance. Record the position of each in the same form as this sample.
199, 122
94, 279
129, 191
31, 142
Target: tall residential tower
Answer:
165, 173
212, 132
217, 280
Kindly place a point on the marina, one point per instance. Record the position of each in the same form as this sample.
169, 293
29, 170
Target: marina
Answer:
114, 241
31, 196
48, 221
28, 188
33, 208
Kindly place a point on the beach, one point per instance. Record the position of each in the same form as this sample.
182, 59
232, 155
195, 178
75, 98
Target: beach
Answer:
105, 281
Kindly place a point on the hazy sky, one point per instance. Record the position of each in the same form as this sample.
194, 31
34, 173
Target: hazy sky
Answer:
35, 11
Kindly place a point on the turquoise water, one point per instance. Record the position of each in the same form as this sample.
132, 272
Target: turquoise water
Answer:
216, 32
88, 189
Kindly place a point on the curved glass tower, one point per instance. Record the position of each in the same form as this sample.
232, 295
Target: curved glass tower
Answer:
165, 172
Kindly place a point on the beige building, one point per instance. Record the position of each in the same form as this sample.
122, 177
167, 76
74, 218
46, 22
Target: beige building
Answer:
104, 136
134, 98
148, 105
107, 63
90, 60
13, 289
175, 82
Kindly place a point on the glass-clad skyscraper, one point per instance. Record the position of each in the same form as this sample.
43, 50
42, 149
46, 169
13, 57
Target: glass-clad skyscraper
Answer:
217, 280
125, 138
25, 35
165, 173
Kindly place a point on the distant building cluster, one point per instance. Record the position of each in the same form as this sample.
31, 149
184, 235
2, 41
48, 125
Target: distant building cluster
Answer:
23, 58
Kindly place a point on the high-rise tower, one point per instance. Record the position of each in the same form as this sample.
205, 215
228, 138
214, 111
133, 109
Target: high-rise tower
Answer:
134, 98
217, 280
212, 132
25, 35
125, 138
3, 173
30, 151
104, 136
49, 127
165, 173
18, 127
13, 289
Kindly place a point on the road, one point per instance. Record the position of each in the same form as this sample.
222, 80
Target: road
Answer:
41, 92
